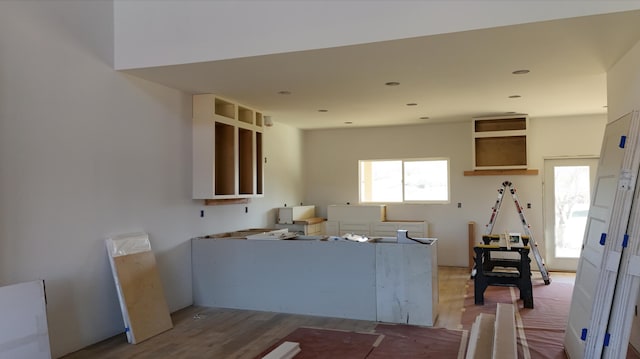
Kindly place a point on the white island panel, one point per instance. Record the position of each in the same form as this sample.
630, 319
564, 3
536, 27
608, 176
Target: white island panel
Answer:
333, 279
407, 283
386, 281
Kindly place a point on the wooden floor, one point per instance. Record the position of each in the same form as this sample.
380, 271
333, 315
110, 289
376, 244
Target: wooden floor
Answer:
201, 332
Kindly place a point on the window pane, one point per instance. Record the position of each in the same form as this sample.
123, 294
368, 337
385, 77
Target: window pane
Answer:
419, 180
572, 197
426, 180
381, 181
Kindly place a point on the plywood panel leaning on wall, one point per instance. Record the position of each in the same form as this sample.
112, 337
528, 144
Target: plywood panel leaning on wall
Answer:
144, 308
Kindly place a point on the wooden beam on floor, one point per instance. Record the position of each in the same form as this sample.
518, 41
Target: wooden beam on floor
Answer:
481, 337
286, 350
504, 340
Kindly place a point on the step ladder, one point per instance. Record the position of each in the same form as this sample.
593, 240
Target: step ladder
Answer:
527, 229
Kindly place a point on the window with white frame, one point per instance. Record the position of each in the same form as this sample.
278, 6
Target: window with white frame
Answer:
407, 180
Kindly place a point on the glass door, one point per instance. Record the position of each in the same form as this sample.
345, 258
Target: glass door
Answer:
567, 191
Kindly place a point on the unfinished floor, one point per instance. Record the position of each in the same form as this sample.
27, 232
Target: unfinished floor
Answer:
228, 333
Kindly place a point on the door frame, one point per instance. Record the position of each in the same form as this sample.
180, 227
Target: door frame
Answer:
548, 211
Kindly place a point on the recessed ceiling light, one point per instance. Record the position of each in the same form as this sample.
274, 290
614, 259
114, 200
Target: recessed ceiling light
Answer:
284, 92
605, 106
520, 72
323, 110
392, 83
515, 96
510, 113
412, 104
348, 122
424, 117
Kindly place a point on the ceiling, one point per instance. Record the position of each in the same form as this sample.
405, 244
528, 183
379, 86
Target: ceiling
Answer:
448, 77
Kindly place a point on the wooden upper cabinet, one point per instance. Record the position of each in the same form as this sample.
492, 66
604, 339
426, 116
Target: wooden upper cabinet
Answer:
500, 142
227, 149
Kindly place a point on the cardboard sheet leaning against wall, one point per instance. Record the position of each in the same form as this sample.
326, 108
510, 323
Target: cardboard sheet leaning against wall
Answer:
144, 307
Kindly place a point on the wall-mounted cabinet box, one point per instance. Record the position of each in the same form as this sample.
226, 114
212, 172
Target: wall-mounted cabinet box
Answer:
227, 149
500, 142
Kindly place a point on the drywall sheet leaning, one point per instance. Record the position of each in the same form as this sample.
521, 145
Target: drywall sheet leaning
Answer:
144, 308
23, 322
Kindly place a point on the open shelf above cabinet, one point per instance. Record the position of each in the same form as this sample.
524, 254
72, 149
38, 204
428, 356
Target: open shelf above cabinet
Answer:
227, 149
500, 143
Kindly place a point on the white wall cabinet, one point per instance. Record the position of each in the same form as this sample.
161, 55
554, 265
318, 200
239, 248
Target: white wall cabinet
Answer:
227, 149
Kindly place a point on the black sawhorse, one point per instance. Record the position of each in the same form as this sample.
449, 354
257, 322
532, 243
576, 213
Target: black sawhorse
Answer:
486, 276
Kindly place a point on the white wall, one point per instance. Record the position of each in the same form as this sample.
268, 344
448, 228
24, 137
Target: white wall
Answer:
623, 91
154, 33
623, 84
86, 152
331, 173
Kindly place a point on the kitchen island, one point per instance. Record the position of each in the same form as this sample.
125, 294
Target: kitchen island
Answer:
381, 281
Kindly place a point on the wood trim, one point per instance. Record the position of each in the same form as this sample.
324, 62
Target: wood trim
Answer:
481, 337
286, 350
513, 172
217, 202
504, 338
472, 242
